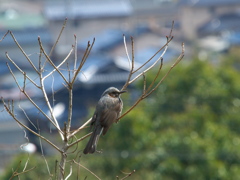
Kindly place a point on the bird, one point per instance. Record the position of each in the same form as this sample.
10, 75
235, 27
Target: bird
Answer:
108, 110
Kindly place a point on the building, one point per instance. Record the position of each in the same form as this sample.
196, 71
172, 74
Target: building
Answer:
195, 14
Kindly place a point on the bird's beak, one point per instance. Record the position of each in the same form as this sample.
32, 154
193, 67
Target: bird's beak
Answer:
122, 91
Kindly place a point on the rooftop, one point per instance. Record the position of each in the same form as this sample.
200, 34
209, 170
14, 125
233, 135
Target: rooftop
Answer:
86, 9
209, 3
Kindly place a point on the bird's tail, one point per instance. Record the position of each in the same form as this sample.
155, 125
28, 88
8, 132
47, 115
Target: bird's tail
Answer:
92, 143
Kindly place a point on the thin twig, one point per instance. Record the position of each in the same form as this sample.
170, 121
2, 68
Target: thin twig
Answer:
80, 128
84, 58
50, 61
78, 169
21, 70
164, 77
26, 171
149, 90
144, 84
131, 64
56, 169
15, 172
74, 150
63, 27
170, 33
26, 56
86, 169
25, 136
70, 105
128, 175
70, 173
131, 108
30, 99
156, 76
49, 106
26, 127
75, 54
57, 67
80, 139
4, 35
24, 112
149, 68
163, 47
41, 147
41, 111
126, 50
14, 77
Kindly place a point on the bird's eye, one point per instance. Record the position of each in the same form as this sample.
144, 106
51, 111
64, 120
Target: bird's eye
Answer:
114, 94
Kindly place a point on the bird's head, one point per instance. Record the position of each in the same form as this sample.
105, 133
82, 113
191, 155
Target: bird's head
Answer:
113, 92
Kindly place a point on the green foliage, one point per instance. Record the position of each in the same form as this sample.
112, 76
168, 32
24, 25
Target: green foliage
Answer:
188, 129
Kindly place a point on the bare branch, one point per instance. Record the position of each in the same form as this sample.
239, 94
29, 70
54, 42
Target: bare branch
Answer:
27, 117
147, 91
126, 50
86, 169
26, 127
80, 139
70, 173
15, 79
149, 68
70, 96
26, 56
25, 171
75, 54
128, 175
16, 173
68, 138
58, 38
84, 58
57, 67
80, 128
144, 84
4, 35
131, 108
132, 71
170, 33
163, 47
50, 61
40, 110
49, 106
164, 77
156, 76
30, 99
40, 142
131, 64
21, 71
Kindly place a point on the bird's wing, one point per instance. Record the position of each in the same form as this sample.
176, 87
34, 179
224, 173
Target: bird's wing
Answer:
106, 119
107, 113
93, 121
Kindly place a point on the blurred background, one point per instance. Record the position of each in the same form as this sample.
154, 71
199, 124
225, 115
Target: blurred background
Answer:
188, 129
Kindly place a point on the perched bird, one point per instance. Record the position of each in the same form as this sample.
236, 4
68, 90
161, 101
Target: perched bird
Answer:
107, 111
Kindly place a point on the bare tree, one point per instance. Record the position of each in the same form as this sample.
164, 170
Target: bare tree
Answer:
65, 133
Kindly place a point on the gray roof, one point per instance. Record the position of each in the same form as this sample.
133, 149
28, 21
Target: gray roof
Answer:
108, 78
226, 22
27, 36
105, 40
209, 3
58, 10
